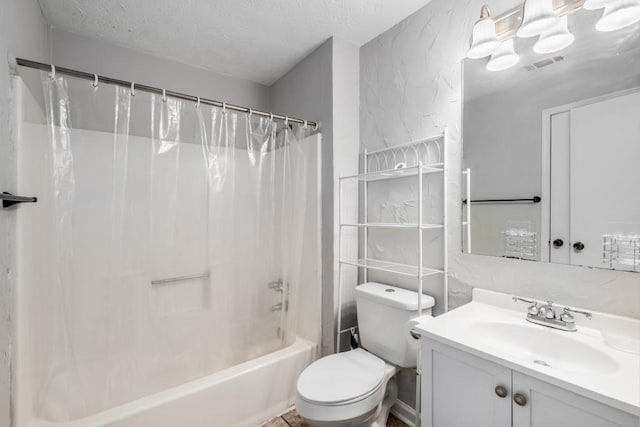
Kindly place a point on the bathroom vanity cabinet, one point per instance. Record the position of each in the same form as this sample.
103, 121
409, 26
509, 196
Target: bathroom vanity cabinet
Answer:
461, 389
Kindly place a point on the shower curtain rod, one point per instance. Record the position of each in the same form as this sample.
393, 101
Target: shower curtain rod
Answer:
88, 76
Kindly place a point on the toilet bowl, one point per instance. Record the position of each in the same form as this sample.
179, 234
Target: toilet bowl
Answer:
356, 388
346, 389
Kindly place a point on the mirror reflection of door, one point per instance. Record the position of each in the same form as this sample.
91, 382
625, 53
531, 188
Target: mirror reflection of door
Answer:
595, 184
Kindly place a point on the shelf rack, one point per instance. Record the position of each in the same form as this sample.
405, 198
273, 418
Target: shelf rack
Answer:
413, 159
392, 225
417, 152
402, 172
393, 267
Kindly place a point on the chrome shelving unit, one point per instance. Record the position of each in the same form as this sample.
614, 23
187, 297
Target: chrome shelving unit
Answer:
413, 159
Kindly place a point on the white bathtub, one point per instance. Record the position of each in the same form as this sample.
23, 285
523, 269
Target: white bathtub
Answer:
242, 396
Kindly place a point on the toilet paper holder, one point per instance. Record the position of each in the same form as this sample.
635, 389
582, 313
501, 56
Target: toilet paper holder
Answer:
415, 334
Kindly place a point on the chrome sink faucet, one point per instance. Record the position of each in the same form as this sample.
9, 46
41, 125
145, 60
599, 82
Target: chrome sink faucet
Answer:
546, 315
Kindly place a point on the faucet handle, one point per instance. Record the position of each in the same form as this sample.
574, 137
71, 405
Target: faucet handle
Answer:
567, 317
569, 310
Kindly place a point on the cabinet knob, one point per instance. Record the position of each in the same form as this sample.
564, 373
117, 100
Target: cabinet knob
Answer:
520, 399
558, 243
501, 391
578, 246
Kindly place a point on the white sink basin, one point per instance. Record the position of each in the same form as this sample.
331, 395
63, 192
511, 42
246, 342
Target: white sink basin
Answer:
597, 361
545, 347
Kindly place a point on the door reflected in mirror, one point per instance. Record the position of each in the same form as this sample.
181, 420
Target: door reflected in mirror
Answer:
552, 151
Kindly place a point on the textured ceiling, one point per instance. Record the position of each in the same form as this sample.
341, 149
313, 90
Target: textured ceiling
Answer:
257, 40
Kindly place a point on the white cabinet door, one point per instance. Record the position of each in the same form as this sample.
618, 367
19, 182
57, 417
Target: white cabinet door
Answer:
595, 152
605, 156
550, 406
460, 390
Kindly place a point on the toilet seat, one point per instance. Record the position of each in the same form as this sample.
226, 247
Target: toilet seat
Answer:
342, 378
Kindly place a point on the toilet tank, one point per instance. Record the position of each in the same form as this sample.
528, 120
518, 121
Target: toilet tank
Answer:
383, 315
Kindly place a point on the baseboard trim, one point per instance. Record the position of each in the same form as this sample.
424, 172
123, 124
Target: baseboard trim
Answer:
404, 413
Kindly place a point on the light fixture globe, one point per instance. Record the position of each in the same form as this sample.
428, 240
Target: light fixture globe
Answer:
483, 41
537, 16
555, 39
619, 14
594, 4
504, 57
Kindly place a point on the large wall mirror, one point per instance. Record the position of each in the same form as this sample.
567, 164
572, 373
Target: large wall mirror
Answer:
552, 151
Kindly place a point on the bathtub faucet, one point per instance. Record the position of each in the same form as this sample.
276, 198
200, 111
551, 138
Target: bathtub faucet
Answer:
277, 285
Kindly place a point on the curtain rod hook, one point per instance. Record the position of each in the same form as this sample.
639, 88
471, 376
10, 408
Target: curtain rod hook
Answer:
315, 126
52, 75
271, 116
164, 95
133, 89
305, 124
286, 120
224, 107
95, 80
198, 102
250, 112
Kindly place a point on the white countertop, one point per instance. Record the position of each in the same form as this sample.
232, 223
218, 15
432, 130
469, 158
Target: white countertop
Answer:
601, 360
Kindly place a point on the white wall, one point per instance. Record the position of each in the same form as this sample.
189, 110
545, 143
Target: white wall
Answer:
346, 106
22, 32
96, 56
324, 86
411, 88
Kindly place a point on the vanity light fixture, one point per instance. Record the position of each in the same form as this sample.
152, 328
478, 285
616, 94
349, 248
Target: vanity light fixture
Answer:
504, 57
619, 14
484, 40
538, 16
555, 39
546, 19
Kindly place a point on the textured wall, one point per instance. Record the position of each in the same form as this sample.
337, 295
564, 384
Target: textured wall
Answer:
411, 88
22, 33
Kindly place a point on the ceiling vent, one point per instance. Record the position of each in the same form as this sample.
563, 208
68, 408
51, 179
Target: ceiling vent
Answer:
543, 63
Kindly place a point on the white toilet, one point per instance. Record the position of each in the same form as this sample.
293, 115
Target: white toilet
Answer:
356, 388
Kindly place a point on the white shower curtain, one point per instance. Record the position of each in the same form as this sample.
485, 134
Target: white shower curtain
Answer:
160, 227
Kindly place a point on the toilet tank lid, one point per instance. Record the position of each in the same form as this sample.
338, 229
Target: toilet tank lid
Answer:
393, 296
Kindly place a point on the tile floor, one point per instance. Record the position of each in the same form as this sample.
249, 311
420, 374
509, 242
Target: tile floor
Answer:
292, 419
